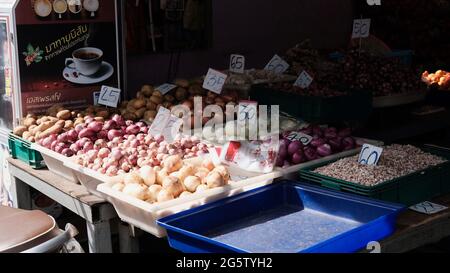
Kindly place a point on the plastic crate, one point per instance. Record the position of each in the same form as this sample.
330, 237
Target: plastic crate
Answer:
286, 217
409, 189
21, 149
354, 106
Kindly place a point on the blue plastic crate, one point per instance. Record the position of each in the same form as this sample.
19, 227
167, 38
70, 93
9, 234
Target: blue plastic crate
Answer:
286, 217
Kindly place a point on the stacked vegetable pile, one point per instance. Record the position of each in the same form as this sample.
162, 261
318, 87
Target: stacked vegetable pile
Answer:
325, 142
440, 78
316, 89
396, 161
382, 75
175, 178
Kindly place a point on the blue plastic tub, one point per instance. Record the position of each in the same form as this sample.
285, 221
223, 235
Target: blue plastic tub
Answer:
286, 217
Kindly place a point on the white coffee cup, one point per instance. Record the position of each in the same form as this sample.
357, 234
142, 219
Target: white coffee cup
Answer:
86, 60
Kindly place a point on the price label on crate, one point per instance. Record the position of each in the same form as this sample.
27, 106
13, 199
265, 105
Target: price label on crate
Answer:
304, 80
297, 136
214, 81
165, 88
277, 65
361, 28
237, 63
109, 96
428, 207
160, 121
369, 155
96, 95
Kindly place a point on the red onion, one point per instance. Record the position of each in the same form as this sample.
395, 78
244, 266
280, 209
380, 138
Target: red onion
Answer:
109, 125
118, 120
103, 134
294, 147
67, 152
132, 129
87, 132
310, 153
114, 133
330, 133
72, 135
346, 132
129, 122
317, 131
298, 158
348, 143
335, 144
74, 148
53, 145
95, 126
317, 141
79, 127
324, 150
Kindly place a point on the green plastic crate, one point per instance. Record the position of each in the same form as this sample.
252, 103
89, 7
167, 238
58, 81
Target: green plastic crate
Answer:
20, 149
354, 106
409, 190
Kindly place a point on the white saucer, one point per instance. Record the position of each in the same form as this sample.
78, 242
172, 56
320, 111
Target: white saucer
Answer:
106, 71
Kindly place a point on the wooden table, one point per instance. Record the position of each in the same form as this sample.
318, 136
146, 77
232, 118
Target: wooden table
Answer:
416, 229
96, 211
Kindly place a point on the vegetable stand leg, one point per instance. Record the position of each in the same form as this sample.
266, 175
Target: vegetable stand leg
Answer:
128, 243
99, 237
20, 192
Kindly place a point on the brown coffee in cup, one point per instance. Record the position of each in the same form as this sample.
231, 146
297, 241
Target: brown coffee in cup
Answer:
84, 55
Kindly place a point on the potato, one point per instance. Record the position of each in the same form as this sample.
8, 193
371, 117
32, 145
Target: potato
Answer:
185, 171
31, 139
169, 98
68, 125
55, 129
140, 113
41, 128
138, 103
65, 115
28, 122
181, 94
156, 93
103, 114
124, 104
139, 95
151, 105
78, 121
167, 104
160, 175
147, 90
31, 115
129, 116
152, 192
214, 180
191, 183
26, 135
155, 99
30, 129
136, 190
173, 185
182, 83
19, 130
151, 114
101, 119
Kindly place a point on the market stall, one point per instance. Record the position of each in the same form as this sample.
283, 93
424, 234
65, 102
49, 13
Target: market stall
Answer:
316, 151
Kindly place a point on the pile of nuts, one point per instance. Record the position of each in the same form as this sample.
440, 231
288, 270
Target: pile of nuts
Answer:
396, 161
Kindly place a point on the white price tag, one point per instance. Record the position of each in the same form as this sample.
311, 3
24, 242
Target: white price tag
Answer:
277, 65
214, 81
248, 110
237, 63
428, 207
165, 88
109, 96
303, 138
304, 80
370, 155
96, 95
361, 28
166, 124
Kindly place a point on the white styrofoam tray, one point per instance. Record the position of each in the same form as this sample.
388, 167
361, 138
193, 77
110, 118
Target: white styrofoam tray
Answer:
55, 163
144, 215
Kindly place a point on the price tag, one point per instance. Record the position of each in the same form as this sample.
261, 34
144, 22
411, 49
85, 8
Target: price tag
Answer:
277, 65
109, 96
370, 155
428, 207
303, 138
361, 28
304, 80
237, 63
165, 88
248, 110
96, 96
172, 128
160, 121
214, 81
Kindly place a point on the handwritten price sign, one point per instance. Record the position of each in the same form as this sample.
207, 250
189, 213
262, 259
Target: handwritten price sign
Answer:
370, 155
166, 124
428, 207
304, 80
109, 96
166, 88
361, 28
237, 63
277, 65
214, 81
303, 138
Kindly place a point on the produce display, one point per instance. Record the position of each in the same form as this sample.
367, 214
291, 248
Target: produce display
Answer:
440, 78
255, 76
173, 179
125, 152
148, 100
382, 75
325, 142
314, 90
396, 161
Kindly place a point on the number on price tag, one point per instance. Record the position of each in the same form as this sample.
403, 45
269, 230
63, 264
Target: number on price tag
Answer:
428, 207
303, 138
214, 81
361, 28
277, 65
248, 110
109, 96
96, 96
172, 128
370, 155
237, 63
165, 88
304, 80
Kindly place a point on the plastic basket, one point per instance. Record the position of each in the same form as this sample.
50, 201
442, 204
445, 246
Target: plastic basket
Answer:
21, 149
